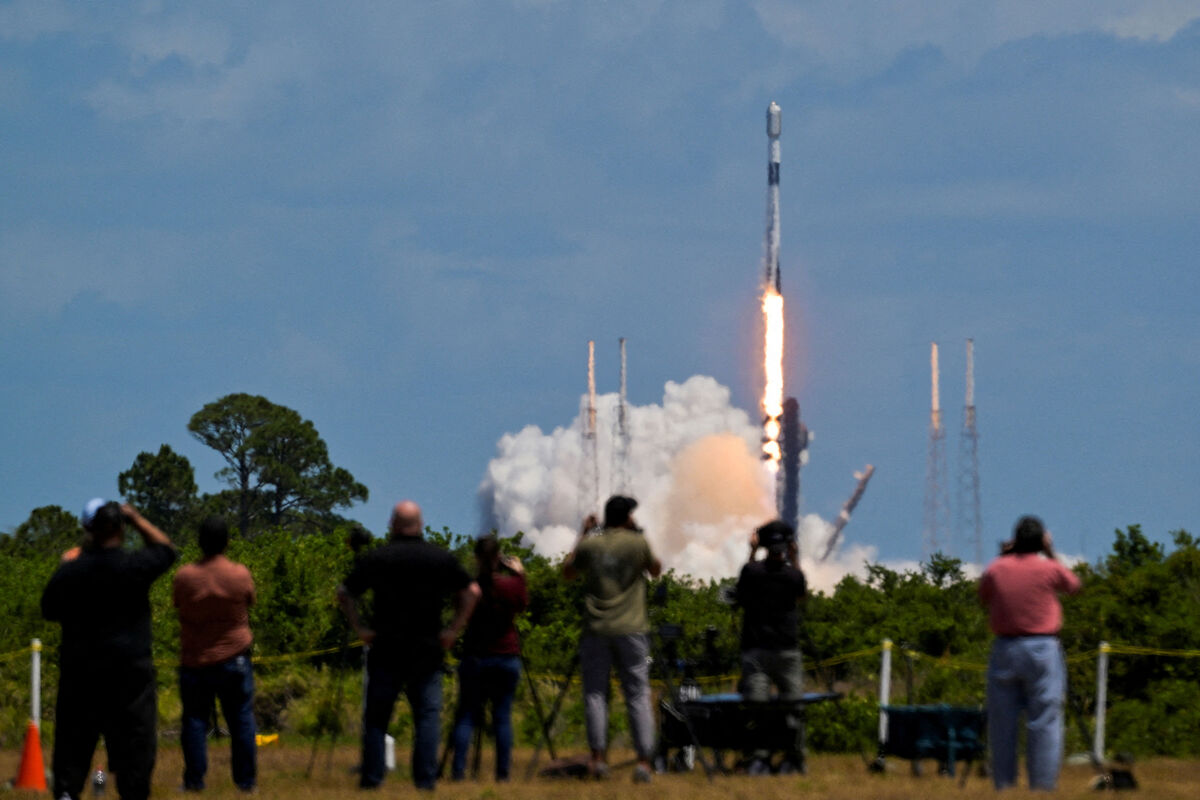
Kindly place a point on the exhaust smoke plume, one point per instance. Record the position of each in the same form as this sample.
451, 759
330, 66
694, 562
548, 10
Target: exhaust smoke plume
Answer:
694, 464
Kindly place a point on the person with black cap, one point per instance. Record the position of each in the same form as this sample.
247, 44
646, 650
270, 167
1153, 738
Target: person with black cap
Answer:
106, 683
770, 592
614, 565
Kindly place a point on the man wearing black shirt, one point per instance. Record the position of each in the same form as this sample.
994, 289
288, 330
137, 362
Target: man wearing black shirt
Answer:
106, 681
770, 592
411, 580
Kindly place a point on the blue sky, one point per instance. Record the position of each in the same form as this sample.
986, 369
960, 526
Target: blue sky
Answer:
406, 220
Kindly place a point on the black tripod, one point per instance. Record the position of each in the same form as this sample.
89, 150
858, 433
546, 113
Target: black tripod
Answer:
672, 702
547, 721
477, 746
330, 718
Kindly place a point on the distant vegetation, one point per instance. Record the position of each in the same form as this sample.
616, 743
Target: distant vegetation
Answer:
283, 492
1138, 595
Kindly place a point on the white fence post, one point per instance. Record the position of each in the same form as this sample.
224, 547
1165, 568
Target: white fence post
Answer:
885, 689
35, 682
1101, 699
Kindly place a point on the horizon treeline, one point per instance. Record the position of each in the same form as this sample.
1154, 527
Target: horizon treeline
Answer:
1140, 593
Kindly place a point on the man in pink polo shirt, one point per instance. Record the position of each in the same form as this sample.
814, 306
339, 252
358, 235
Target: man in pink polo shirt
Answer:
213, 597
1026, 670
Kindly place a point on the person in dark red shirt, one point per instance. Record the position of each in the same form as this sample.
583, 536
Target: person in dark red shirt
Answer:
1026, 669
491, 664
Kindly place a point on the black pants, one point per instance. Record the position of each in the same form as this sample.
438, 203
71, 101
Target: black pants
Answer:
123, 708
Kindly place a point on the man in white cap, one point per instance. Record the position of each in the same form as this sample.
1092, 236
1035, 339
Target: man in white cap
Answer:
106, 681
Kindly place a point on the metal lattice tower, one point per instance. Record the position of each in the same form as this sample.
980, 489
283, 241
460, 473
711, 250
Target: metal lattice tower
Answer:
937, 501
970, 517
620, 469
589, 474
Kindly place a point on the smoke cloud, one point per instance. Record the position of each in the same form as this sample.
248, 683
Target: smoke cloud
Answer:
693, 464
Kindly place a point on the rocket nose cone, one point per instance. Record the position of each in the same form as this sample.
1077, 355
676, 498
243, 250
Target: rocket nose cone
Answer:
774, 122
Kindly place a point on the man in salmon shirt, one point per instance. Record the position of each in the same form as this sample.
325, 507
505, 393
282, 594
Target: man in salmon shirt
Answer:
1026, 670
213, 597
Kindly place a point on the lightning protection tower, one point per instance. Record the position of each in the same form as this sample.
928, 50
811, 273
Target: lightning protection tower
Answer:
937, 502
589, 475
620, 469
970, 518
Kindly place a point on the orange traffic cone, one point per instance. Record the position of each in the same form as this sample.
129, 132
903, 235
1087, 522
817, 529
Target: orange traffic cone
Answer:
33, 769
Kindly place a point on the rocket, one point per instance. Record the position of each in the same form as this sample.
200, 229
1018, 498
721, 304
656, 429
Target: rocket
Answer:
774, 126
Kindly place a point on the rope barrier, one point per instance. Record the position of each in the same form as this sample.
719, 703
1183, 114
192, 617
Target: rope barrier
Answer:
307, 654
15, 653
273, 659
1134, 650
832, 662
946, 661
941, 661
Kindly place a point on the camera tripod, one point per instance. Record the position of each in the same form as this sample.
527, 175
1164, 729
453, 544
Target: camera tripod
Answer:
477, 745
669, 704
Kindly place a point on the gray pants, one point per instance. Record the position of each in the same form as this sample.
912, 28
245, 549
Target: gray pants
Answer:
630, 654
785, 669
761, 668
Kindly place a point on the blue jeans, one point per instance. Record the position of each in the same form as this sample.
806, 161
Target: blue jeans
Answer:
424, 692
1026, 673
486, 679
232, 683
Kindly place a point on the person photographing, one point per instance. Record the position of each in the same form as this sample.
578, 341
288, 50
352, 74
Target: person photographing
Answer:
771, 591
107, 685
614, 564
491, 664
1026, 668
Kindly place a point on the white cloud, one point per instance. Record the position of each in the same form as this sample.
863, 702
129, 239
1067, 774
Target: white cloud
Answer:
43, 268
26, 20
693, 467
1155, 19
231, 95
196, 42
864, 37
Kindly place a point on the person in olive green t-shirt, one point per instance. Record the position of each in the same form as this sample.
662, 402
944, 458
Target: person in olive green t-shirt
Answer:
614, 565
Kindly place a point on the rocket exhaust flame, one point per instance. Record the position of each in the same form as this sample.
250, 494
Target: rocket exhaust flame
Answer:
772, 400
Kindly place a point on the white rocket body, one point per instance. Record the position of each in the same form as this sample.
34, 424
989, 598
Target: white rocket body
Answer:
774, 127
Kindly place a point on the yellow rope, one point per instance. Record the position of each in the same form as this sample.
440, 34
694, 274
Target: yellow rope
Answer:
15, 653
1134, 650
941, 661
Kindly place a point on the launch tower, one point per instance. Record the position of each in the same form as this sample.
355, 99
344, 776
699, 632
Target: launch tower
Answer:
937, 505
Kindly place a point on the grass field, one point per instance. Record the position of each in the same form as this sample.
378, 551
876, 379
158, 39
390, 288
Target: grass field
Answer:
839, 777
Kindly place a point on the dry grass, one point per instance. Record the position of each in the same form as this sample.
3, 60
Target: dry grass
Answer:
838, 777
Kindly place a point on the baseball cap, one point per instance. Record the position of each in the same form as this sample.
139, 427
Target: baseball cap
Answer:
617, 510
89, 510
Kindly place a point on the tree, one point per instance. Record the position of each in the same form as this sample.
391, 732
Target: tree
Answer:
278, 465
162, 487
48, 531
